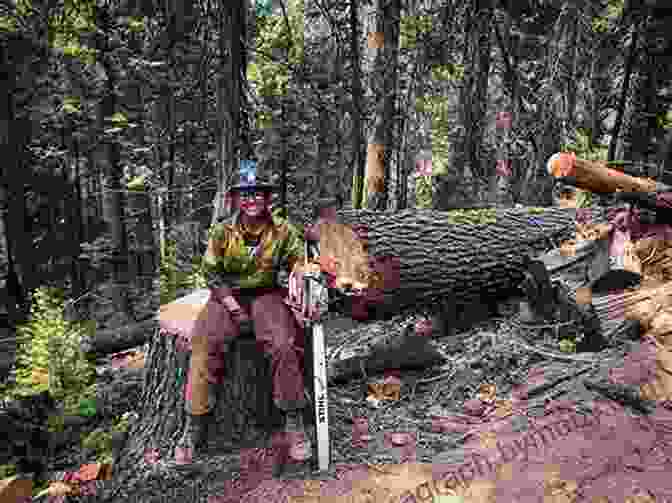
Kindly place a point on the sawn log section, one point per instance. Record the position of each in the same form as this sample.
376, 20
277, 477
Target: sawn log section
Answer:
417, 257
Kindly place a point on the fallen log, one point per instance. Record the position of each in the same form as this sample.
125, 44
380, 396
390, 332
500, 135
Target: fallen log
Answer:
399, 347
110, 341
420, 258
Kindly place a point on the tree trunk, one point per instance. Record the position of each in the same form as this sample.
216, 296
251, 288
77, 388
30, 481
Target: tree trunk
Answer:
475, 86
385, 44
139, 203
113, 200
417, 257
229, 97
356, 113
15, 131
625, 91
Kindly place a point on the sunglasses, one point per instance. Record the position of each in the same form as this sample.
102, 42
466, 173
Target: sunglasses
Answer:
251, 195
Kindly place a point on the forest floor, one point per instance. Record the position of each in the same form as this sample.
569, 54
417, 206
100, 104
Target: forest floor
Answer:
522, 382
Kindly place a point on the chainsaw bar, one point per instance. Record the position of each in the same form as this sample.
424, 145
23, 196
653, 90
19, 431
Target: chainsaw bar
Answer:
316, 305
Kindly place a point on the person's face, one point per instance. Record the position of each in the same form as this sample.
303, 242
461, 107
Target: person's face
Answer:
254, 203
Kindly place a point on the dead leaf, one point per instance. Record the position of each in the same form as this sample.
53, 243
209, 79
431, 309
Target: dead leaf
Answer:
386, 389
560, 491
505, 472
568, 248
503, 408
584, 296
89, 472
15, 489
642, 496
664, 360
487, 392
105, 472
480, 491
488, 439
59, 489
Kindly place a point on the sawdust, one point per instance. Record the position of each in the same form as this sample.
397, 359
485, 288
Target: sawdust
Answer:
651, 305
655, 259
584, 232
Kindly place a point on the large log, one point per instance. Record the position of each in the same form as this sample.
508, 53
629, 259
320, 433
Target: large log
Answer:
115, 340
419, 258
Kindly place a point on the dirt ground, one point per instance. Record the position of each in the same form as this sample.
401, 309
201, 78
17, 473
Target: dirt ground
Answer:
494, 352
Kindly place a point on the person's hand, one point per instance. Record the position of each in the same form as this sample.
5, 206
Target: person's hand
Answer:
312, 232
231, 304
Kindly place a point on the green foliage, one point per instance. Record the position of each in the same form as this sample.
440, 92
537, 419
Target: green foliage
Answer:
609, 18
474, 217
74, 19
423, 192
71, 105
136, 24
174, 276
100, 439
448, 72
584, 148
410, 27
664, 120
264, 119
438, 107
137, 183
270, 76
8, 24
567, 346
51, 358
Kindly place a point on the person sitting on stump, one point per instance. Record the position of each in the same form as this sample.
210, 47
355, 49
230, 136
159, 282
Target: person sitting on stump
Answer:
244, 256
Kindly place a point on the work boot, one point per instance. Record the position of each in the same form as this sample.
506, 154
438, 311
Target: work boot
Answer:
198, 431
190, 448
300, 448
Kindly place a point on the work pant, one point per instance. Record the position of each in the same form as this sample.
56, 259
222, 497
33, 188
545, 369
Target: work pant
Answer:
277, 334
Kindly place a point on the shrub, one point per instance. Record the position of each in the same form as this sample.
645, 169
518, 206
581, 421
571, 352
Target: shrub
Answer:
50, 357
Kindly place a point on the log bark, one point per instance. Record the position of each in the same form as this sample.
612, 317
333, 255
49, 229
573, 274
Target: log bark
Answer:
106, 342
417, 258
399, 348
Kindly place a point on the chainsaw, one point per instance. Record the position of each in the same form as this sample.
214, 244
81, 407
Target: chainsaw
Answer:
309, 298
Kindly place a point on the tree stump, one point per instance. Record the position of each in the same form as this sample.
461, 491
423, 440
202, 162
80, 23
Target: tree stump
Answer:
245, 414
